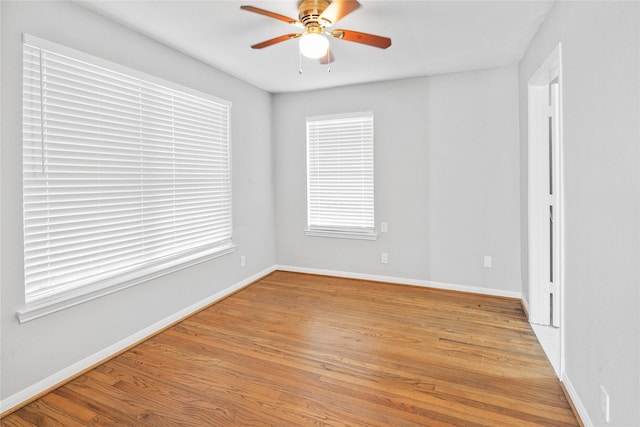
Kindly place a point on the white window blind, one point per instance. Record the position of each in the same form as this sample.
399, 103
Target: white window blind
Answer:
340, 175
122, 177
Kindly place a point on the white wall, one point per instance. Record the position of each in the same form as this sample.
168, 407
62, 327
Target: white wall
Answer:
39, 349
446, 179
450, 181
601, 70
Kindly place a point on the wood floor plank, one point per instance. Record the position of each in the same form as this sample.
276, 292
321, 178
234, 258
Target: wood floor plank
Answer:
297, 349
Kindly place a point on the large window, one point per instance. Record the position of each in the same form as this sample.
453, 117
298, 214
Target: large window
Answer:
340, 176
125, 177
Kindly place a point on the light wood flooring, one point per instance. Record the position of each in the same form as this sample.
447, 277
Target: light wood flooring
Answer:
296, 350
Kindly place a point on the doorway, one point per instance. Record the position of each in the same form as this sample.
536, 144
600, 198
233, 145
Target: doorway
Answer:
545, 216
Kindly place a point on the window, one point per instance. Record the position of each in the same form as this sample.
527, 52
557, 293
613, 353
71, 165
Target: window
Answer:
340, 176
125, 177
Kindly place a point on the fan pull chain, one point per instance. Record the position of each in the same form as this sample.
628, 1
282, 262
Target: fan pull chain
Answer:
329, 58
299, 62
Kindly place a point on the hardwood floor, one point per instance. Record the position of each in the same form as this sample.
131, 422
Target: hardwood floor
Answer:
296, 349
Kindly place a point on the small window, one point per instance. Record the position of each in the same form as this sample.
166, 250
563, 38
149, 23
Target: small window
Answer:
125, 177
340, 199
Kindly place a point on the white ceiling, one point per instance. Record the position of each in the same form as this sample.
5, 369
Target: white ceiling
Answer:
428, 37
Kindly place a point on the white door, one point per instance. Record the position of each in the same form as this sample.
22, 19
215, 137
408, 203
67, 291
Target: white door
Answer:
554, 203
545, 206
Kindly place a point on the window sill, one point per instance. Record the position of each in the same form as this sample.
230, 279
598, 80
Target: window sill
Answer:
74, 297
342, 234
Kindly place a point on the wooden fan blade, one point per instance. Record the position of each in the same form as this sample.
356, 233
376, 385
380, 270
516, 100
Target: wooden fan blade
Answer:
364, 38
328, 58
338, 9
270, 14
275, 40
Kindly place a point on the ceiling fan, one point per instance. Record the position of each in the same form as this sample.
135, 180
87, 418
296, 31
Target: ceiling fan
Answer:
315, 17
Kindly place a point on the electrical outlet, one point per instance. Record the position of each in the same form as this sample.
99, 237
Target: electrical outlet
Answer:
384, 258
243, 261
605, 404
488, 261
383, 227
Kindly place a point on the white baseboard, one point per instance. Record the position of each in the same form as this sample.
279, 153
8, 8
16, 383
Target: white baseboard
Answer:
525, 306
404, 281
58, 378
577, 402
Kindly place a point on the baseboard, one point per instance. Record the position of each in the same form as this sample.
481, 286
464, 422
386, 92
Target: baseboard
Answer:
404, 281
525, 307
576, 402
32, 392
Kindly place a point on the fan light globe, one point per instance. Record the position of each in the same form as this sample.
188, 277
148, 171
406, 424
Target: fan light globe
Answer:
313, 45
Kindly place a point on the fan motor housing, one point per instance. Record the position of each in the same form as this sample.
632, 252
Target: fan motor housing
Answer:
309, 11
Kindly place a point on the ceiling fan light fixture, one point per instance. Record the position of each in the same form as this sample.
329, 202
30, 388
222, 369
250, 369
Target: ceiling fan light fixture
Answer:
315, 16
314, 45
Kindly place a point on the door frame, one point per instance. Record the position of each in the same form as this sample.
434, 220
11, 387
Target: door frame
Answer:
538, 212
